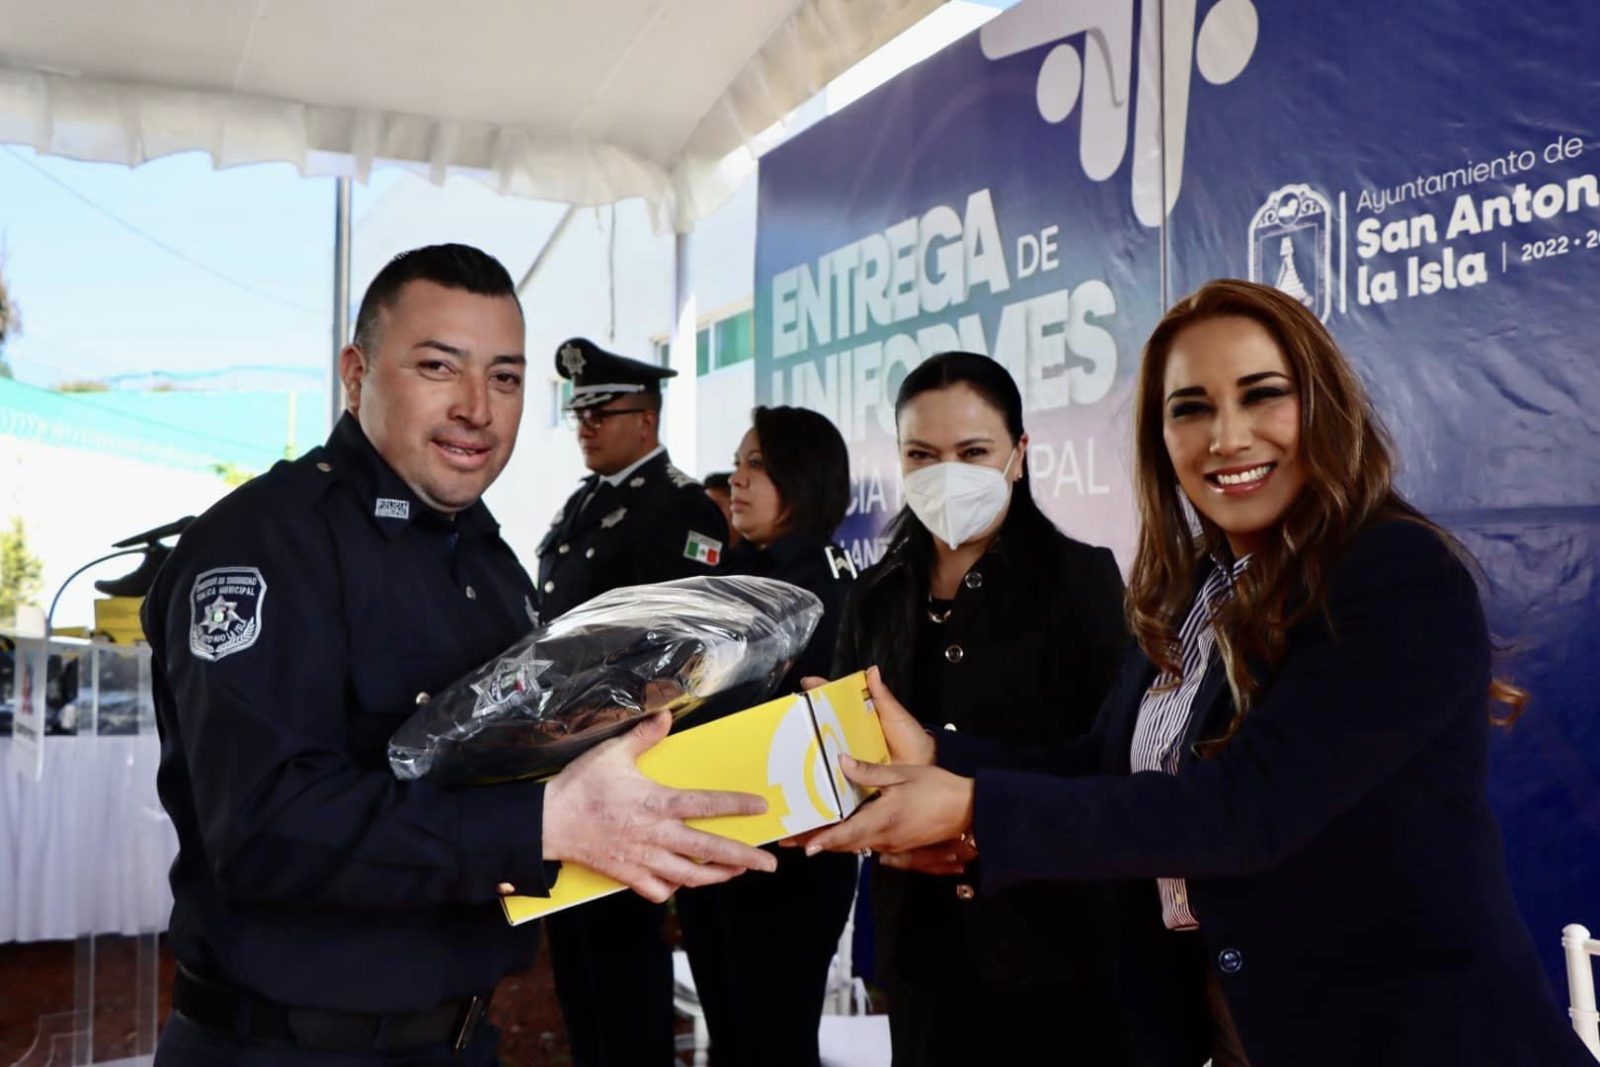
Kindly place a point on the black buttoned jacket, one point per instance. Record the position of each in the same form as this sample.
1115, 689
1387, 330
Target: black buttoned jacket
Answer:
657, 525
1040, 627
1340, 853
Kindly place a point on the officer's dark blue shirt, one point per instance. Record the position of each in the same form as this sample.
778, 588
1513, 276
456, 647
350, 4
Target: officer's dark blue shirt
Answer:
657, 525
293, 629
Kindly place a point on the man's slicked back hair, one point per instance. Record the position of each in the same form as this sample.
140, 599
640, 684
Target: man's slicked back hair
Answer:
452, 266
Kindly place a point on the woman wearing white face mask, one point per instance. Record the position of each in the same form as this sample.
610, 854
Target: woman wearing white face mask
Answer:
1000, 626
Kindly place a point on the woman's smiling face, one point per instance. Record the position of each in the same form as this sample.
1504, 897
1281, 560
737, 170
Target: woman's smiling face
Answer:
1231, 422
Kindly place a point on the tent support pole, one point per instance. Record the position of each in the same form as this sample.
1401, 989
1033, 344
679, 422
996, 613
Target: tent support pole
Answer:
341, 293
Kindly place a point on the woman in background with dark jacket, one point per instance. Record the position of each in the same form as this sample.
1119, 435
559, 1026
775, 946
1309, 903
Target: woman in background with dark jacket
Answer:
760, 949
994, 623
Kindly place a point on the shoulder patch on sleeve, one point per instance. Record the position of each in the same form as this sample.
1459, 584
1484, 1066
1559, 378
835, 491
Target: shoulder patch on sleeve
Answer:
703, 549
225, 611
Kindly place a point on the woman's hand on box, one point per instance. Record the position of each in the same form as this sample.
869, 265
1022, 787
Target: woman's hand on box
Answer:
908, 740
916, 806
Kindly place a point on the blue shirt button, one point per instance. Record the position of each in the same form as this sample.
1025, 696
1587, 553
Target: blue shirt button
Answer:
1230, 961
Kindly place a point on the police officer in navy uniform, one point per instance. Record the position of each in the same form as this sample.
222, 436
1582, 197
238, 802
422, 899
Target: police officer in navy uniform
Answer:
761, 948
324, 911
636, 519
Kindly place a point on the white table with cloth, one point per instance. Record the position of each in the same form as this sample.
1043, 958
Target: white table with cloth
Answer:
86, 848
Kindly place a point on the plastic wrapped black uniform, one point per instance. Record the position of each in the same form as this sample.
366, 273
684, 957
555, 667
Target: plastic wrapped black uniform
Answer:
707, 646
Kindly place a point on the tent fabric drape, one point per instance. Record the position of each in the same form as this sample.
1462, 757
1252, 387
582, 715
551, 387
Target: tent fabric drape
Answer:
582, 144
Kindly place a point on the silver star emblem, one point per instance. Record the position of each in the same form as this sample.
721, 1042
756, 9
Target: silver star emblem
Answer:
572, 359
511, 676
220, 615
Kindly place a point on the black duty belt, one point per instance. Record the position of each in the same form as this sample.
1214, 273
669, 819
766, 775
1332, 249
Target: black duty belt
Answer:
240, 1014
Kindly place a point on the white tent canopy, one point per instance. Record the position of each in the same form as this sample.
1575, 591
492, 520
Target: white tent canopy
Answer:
585, 103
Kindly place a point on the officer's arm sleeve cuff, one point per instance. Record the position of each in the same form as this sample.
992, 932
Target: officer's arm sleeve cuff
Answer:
501, 838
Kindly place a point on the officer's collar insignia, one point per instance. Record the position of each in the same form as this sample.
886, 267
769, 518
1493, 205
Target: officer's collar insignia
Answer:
225, 611
613, 518
637, 482
388, 508
679, 479
572, 359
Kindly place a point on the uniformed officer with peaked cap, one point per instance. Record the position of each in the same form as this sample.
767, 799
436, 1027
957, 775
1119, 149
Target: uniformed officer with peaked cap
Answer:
325, 911
635, 520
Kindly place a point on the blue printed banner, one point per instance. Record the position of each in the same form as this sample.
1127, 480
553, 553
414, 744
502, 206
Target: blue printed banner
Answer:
1425, 176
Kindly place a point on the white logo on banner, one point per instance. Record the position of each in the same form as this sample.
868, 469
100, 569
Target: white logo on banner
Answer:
1102, 74
1291, 246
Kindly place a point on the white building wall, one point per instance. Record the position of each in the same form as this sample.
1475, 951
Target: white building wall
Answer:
723, 264
606, 277
726, 397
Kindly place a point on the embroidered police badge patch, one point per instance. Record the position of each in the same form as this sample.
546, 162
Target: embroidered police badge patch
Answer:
225, 611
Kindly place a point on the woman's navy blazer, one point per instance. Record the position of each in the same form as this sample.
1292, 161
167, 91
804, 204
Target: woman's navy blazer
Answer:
1341, 856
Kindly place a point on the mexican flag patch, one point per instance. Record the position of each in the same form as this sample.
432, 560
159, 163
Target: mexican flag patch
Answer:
702, 549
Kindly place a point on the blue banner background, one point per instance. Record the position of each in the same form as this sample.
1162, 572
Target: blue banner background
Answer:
1490, 389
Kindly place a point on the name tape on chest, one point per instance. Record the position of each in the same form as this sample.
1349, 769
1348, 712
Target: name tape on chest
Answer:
225, 611
703, 549
387, 508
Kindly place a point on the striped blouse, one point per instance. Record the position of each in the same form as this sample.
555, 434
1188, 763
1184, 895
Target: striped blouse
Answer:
1164, 716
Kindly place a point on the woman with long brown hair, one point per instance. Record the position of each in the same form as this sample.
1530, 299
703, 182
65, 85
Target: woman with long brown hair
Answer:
1286, 784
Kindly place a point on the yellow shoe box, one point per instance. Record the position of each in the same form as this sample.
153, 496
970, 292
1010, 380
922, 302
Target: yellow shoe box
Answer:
786, 750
